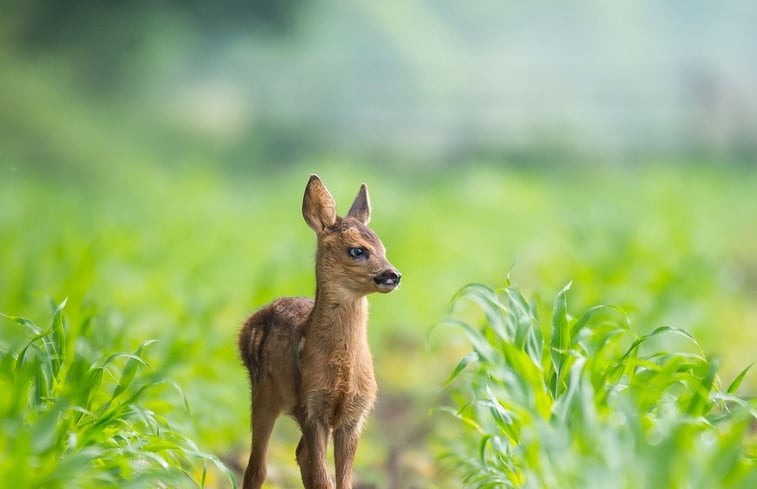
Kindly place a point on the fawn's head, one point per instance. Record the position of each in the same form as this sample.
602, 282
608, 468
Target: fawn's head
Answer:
350, 259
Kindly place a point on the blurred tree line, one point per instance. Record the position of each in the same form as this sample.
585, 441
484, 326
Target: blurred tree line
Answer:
101, 37
50, 23
439, 82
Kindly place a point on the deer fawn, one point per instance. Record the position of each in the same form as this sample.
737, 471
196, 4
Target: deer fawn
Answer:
309, 358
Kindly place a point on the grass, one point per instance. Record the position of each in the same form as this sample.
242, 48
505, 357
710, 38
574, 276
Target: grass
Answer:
73, 415
592, 405
183, 256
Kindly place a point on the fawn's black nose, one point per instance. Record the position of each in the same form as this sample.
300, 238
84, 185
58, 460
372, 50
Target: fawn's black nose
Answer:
388, 277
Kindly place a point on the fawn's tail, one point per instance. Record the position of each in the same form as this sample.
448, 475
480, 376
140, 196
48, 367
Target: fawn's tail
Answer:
251, 340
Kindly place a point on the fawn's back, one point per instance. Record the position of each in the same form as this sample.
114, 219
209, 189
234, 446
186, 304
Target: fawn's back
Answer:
268, 344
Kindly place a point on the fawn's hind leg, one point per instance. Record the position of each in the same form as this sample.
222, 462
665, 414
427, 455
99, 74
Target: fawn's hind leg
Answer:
311, 456
263, 418
304, 462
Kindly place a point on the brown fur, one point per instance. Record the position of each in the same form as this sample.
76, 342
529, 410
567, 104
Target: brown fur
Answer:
310, 358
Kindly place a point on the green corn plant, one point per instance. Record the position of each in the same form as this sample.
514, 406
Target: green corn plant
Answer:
593, 406
73, 416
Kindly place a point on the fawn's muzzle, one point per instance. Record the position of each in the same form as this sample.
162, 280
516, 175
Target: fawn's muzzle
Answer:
387, 280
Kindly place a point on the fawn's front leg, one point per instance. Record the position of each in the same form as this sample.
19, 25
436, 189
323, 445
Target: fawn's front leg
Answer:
311, 455
345, 446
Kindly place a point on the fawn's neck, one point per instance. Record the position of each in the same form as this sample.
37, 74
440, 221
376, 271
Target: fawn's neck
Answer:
338, 318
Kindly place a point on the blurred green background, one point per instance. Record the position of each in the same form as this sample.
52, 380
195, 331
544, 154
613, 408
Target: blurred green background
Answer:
153, 157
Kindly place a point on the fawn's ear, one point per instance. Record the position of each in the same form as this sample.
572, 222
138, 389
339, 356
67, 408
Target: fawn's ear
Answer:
318, 206
361, 208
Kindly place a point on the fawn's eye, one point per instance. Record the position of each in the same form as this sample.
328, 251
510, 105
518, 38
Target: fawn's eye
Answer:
358, 253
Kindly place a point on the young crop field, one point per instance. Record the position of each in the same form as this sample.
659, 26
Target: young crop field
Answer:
594, 403
123, 289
